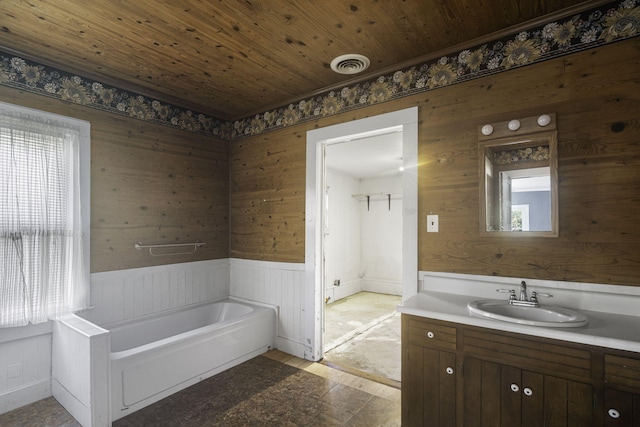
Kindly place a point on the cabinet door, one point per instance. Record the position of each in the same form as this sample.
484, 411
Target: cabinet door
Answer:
429, 387
439, 388
622, 409
533, 395
412, 385
567, 403
481, 393
622, 392
505, 396
492, 395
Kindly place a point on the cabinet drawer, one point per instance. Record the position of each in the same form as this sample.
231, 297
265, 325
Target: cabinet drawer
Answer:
431, 335
623, 372
565, 361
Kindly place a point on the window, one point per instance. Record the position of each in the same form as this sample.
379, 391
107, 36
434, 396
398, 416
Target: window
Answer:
44, 215
520, 217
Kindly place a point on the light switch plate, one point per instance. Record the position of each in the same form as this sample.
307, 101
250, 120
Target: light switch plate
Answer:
432, 223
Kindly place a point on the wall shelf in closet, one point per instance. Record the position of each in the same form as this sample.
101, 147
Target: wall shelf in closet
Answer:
369, 197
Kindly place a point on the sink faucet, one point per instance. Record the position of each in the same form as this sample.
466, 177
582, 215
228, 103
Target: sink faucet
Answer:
524, 300
523, 291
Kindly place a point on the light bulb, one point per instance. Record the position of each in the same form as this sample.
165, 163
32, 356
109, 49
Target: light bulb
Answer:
544, 120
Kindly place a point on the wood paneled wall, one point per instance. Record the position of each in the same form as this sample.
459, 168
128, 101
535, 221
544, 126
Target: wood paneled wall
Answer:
596, 96
150, 184
268, 197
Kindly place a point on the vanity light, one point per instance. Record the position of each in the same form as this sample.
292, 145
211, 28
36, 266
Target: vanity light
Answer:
487, 130
544, 120
514, 125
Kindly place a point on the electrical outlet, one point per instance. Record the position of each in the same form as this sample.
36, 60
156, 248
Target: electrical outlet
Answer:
432, 223
336, 282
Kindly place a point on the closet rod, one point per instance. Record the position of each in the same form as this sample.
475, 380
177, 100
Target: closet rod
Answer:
368, 197
376, 195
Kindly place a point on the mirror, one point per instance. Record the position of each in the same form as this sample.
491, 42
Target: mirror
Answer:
518, 177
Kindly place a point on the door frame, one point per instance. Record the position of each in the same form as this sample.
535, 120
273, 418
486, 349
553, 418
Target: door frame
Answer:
317, 139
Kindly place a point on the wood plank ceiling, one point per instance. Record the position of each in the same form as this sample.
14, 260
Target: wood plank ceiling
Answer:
233, 58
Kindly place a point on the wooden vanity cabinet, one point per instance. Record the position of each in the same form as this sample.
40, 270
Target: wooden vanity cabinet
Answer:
467, 376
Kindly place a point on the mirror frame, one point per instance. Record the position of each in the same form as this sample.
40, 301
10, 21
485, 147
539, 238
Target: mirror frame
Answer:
529, 133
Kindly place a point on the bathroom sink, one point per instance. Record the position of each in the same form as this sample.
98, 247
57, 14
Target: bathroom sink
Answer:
544, 315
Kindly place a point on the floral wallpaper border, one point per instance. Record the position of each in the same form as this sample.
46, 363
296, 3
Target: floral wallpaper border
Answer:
609, 23
521, 155
32, 77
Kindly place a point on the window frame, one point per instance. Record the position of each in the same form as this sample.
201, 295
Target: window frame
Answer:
84, 136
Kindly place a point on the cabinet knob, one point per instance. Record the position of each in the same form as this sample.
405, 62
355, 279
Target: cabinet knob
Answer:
614, 413
449, 370
430, 334
527, 391
515, 388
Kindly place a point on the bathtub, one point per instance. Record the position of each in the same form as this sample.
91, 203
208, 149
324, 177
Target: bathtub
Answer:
157, 356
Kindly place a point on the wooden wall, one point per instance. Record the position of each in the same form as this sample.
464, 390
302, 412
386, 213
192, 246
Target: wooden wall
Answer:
267, 188
596, 96
150, 184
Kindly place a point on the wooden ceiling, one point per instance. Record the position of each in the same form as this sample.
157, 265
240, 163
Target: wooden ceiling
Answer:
233, 59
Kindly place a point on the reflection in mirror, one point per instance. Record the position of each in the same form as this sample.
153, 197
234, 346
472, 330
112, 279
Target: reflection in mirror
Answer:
519, 180
530, 200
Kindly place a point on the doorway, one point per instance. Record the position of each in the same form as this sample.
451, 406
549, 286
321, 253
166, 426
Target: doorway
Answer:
362, 252
316, 277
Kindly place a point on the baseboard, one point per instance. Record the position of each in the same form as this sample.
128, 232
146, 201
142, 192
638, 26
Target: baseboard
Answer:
25, 395
77, 409
382, 286
290, 347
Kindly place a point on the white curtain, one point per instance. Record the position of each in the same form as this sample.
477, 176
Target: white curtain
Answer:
41, 256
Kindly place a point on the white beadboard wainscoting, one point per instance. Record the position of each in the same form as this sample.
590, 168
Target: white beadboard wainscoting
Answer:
127, 294
275, 283
25, 365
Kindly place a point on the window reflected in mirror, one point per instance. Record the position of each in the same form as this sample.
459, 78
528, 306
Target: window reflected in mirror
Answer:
518, 171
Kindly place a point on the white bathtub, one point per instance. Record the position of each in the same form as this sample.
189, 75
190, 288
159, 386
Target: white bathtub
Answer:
158, 356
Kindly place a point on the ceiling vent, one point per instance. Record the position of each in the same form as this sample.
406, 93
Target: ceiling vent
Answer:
350, 64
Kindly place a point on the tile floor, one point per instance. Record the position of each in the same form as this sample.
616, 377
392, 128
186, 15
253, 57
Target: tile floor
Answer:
275, 389
362, 332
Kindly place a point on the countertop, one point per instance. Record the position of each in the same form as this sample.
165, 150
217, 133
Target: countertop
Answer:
605, 329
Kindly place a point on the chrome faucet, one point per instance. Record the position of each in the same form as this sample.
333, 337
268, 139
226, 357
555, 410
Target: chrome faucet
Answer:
523, 291
524, 300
